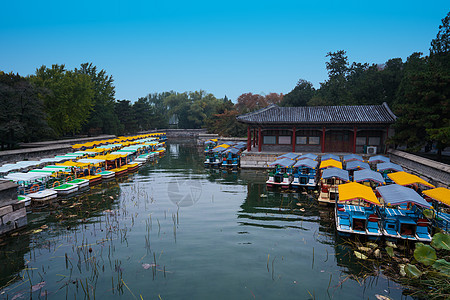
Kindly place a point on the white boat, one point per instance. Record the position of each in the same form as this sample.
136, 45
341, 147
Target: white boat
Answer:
82, 183
107, 174
44, 195
66, 188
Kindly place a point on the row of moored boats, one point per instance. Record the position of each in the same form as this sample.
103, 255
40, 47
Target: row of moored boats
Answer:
223, 155
374, 198
89, 164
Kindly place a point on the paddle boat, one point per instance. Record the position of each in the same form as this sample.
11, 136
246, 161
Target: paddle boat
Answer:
352, 157
330, 180
44, 195
215, 160
400, 222
369, 178
355, 165
231, 158
330, 163
107, 174
281, 174
65, 189
386, 168
210, 144
377, 159
441, 216
82, 183
361, 216
305, 174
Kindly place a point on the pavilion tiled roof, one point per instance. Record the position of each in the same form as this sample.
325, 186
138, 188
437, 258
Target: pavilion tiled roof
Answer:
360, 114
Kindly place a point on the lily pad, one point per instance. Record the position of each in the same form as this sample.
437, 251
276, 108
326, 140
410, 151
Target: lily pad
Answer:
441, 241
372, 245
442, 266
364, 249
412, 271
390, 251
425, 254
359, 255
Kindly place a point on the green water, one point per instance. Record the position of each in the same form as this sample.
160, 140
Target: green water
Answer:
228, 238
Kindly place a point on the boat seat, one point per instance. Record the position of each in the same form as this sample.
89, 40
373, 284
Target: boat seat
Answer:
422, 232
372, 227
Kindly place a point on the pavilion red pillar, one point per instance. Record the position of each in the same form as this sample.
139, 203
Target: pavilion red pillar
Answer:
354, 139
293, 139
254, 137
249, 139
323, 139
387, 136
259, 139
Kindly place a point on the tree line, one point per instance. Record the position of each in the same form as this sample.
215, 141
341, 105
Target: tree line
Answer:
56, 102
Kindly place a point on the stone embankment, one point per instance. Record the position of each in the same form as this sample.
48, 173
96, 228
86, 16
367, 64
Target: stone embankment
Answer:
13, 215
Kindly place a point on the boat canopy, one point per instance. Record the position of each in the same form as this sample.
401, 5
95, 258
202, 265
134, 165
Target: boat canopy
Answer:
379, 159
220, 148
439, 194
52, 160
335, 173
47, 171
232, 150
403, 178
306, 162
26, 176
283, 162
331, 156
57, 168
91, 160
209, 142
289, 155
389, 166
367, 174
308, 155
353, 190
395, 194
330, 163
352, 157
355, 164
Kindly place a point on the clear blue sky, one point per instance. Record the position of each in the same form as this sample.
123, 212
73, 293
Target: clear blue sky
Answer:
224, 47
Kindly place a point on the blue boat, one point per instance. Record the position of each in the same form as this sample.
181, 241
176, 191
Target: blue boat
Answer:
352, 157
308, 156
378, 159
386, 168
330, 156
231, 158
401, 223
281, 174
368, 177
361, 215
305, 174
329, 182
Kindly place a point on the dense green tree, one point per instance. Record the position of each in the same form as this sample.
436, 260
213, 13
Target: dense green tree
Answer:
300, 95
126, 113
103, 118
70, 100
22, 115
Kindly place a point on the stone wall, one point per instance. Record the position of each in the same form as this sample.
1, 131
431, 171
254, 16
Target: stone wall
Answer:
180, 133
257, 160
13, 215
435, 172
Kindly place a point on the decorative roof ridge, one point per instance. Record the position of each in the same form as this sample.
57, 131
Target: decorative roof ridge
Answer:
273, 105
389, 111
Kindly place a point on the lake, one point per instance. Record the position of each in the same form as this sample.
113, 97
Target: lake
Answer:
175, 230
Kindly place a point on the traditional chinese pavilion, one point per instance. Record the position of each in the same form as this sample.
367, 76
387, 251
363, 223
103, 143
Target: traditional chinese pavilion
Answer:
352, 129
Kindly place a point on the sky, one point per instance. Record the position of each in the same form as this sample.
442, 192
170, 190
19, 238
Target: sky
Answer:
223, 47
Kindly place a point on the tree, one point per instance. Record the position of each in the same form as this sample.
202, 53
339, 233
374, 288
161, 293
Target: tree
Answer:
103, 118
334, 90
22, 116
441, 44
127, 117
300, 95
69, 102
